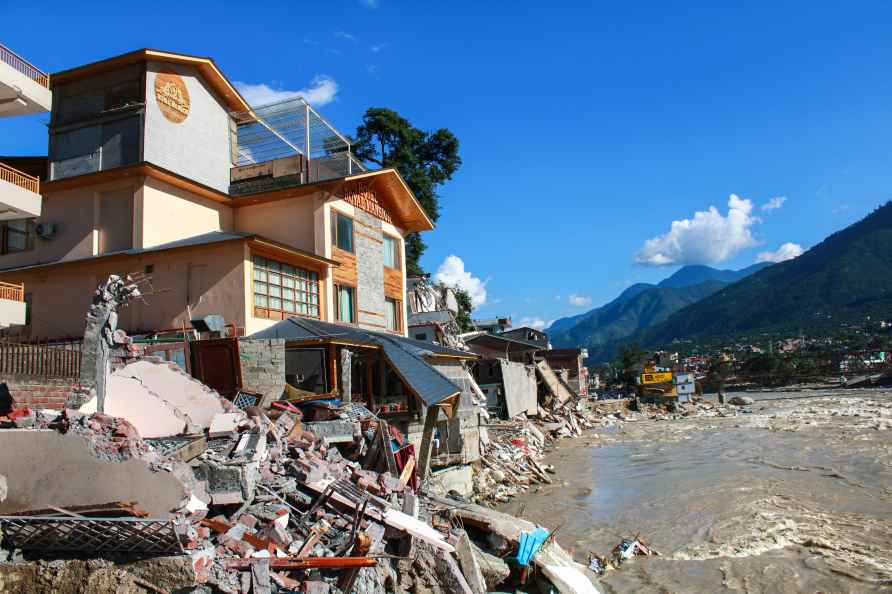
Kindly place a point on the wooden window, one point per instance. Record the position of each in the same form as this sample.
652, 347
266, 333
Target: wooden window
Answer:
392, 318
16, 236
342, 231
284, 289
345, 304
391, 251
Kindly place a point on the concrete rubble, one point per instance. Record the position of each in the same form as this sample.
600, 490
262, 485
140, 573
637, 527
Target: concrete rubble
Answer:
259, 503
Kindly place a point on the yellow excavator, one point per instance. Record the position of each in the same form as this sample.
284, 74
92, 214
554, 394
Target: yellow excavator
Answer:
655, 385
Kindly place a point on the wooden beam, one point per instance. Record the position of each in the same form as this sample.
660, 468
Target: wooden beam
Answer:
333, 368
427, 441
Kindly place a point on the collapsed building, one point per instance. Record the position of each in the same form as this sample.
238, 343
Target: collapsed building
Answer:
309, 491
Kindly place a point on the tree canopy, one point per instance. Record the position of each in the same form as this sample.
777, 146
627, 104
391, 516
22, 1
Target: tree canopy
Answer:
426, 160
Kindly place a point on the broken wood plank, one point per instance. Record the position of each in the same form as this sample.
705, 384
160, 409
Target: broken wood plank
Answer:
384, 436
391, 517
406, 474
469, 566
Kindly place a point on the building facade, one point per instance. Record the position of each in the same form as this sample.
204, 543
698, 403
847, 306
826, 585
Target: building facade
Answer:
156, 165
23, 90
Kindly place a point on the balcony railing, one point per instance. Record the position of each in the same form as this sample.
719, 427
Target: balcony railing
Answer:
12, 291
24, 66
58, 360
16, 177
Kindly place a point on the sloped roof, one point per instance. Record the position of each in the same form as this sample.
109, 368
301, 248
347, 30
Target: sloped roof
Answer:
405, 355
206, 66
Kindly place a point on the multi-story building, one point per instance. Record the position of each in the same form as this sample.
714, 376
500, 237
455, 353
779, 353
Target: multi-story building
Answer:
157, 165
23, 90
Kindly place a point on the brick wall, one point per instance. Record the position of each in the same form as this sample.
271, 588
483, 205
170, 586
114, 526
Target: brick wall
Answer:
263, 367
34, 393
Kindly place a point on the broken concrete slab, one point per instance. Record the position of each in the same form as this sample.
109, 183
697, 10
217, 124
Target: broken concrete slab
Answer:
128, 398
45, 468
519, 381
495, 571
184, 393
224, 423
458, 479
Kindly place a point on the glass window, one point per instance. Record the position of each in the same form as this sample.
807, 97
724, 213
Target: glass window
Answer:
274, 284
16, 236
345, 304
391, 251
343, 232
392, 314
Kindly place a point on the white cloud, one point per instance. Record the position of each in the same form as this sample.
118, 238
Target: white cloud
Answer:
579, 300
345, 36
322, 91
369, 3
707, 238
531, 322
452, 273
377, 47
774, 203
787, 251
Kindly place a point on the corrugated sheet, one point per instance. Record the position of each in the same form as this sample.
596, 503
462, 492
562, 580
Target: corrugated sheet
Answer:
405, 354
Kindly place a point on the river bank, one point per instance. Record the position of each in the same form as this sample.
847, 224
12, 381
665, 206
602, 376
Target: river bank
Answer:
792, 495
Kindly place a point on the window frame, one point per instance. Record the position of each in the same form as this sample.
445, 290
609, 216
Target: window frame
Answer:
397, 317
337, 303
29, 235
335, 236
397, 251
310, 278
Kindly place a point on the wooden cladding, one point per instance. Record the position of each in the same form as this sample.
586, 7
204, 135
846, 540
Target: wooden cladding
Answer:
12, 291
393, 283
17, 178
345, 274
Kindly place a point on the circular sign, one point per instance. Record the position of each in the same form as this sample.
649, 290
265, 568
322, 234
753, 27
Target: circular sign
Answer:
172, 96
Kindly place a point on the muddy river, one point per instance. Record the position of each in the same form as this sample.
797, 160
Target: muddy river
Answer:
794, 497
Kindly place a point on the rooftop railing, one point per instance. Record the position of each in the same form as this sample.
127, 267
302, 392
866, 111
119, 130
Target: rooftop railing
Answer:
289, 128
12, 291
24, 66
22, 180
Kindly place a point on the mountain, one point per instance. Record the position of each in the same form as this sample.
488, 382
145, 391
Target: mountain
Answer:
846, 277
696, 274
627, 314
564, 324
642, 305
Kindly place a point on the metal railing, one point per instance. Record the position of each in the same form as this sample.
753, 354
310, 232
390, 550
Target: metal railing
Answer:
12, 291
22, 180
24, 66
49, 360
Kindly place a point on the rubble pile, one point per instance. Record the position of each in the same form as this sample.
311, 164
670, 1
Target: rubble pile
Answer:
270, 506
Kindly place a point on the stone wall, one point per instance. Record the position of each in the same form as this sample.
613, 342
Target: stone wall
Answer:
263, 367
35, 392
369, 249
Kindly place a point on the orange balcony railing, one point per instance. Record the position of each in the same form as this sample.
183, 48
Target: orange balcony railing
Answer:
24, 66
12, 291
23, 180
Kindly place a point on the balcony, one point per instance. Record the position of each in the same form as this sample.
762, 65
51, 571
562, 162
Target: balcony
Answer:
23, 88
288, 143
19, 194
12, 305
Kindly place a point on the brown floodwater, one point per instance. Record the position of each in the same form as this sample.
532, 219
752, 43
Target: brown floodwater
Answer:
794, 497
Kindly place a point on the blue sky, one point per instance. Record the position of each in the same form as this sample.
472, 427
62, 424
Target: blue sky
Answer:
585, 129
